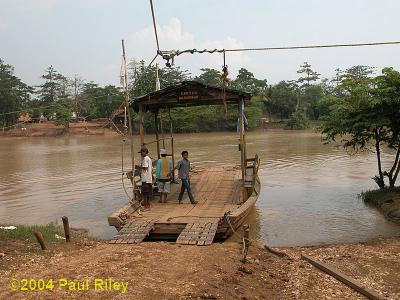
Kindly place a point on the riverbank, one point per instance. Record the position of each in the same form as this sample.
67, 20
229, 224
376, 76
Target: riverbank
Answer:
50, 129
102, 127
387, 201
162, 270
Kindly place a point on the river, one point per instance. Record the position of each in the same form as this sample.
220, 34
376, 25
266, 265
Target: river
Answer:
309, 190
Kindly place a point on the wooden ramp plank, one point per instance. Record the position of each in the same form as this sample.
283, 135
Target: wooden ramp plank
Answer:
133, 232
351, 282
200, 234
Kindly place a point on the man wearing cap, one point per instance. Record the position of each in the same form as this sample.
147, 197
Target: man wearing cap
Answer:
146, 174
163, 175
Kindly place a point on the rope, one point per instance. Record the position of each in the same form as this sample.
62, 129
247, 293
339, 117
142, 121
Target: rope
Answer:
117, 129
123, 172
224, 79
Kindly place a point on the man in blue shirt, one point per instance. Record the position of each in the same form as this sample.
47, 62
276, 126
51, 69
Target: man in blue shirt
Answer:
183, 167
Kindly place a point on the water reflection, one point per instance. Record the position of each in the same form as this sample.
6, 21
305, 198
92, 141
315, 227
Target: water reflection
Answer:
309, 190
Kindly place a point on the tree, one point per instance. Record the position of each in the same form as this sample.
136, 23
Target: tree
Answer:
298, 121
111, 100
246, 81
281, 99
100, 102
90, 92
14, 94
63, 113
55, 88
308, 77
142, 81
388, 92
79, 103
172, 76
368, 114
309, 98
209, 77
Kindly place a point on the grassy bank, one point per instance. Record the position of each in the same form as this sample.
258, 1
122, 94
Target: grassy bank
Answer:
24, 232
386, 200
19, 245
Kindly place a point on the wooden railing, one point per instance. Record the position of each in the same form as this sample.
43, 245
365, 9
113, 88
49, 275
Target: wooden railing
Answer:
251, 170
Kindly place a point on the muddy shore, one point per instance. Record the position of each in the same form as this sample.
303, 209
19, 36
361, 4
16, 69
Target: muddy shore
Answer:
50, 129
161, 270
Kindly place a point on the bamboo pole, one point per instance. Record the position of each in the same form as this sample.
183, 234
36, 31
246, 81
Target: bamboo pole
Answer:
127, 109
66, 229
141, 125
241, 131
172, 144
157, 138
244, 136
39, 237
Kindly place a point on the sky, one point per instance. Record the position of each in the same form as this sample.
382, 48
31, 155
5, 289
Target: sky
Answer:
83, 37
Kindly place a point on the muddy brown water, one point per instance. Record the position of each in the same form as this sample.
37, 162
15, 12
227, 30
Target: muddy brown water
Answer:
309, 190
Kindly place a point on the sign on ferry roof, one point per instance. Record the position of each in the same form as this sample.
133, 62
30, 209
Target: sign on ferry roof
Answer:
188, 95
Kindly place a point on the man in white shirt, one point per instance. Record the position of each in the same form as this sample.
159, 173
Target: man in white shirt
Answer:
146, 174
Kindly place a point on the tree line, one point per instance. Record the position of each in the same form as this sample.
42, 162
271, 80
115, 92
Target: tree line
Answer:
296, 101
59, 96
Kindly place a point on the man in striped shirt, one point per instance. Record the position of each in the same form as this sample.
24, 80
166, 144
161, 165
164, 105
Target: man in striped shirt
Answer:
163, 175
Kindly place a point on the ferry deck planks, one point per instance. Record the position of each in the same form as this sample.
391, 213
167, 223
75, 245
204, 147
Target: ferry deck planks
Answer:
217, 191
214, 189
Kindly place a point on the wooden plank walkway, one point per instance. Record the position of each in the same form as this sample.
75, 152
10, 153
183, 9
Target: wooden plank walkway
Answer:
198, 233
133, 232
217, 191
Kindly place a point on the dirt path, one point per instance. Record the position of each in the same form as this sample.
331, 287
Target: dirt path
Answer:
169, 271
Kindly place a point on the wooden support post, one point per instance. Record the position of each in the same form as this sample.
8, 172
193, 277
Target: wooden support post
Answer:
162, 131
39, 237
246, 241
351, 282
141, 125
172, 145
242, 137
157, 138
66, 229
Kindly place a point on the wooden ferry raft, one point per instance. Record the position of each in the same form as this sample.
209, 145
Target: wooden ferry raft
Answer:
222, 205
225, 195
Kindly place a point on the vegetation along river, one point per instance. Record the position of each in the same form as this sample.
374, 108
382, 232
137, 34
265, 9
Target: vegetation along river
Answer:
308, 197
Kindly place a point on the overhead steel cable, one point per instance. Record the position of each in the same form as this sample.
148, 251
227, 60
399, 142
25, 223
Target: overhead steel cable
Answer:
154, 24
314, 46
170, 54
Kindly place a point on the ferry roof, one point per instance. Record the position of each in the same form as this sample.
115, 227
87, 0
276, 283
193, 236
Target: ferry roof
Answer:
188, 93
